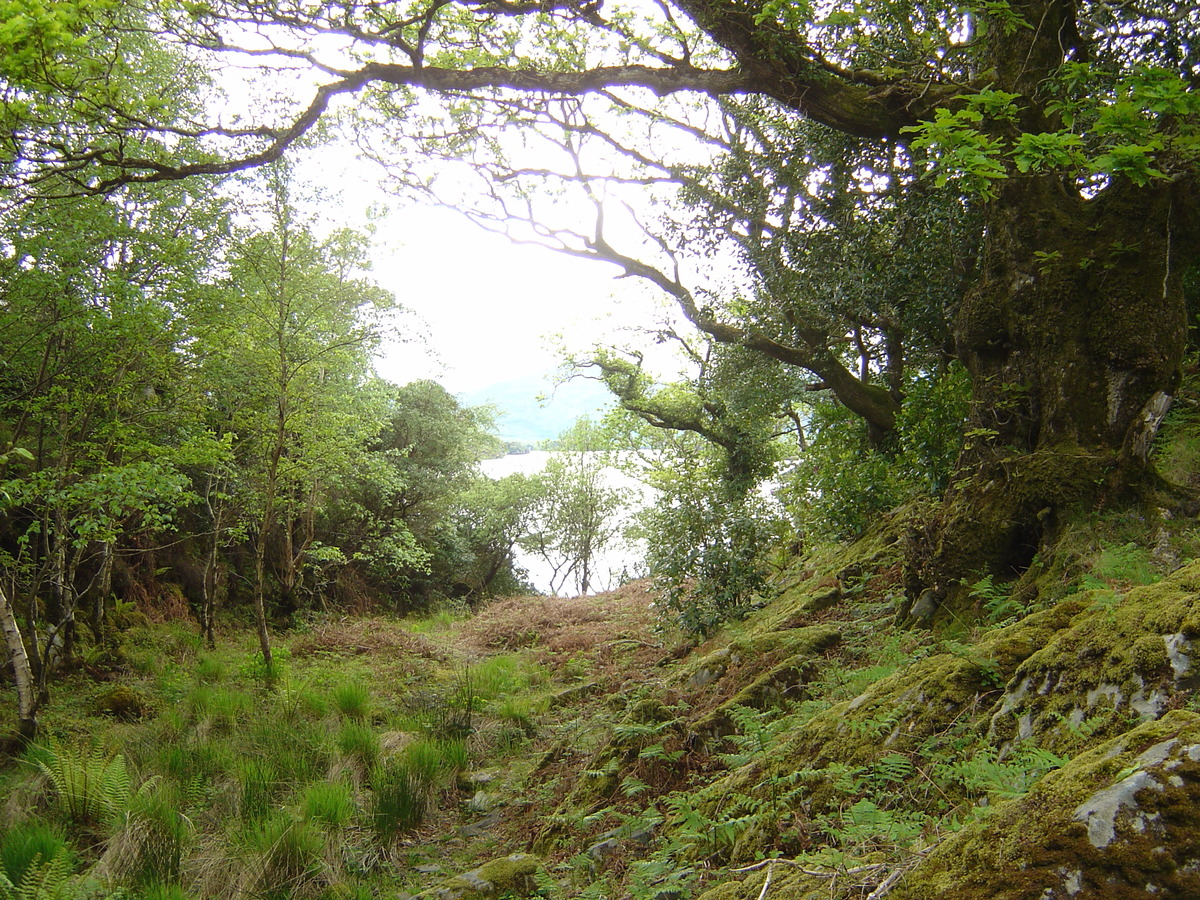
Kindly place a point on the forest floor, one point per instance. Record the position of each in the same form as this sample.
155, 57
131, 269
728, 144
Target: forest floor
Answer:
575, 748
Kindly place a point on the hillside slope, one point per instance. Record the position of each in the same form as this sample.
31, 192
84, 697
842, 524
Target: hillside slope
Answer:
819, 748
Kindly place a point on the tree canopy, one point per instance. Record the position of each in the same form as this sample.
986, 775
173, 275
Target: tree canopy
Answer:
1010, 183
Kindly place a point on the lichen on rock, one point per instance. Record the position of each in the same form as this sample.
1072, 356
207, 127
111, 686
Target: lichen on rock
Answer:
1115, 665
1117, 822
511, 875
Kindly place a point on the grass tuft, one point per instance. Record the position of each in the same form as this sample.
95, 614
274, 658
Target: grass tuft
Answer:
328, 804
352, 701
26, 846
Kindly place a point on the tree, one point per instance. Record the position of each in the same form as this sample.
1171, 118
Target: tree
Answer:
579, 512
90, 300
400, 513
491, 519
14, 642
287, 346
1073, 122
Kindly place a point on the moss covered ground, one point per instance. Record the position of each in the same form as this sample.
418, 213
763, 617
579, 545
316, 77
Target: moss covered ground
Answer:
822, 747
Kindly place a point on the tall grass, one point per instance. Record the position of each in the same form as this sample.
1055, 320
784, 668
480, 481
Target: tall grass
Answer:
405, 785
328, 804
352, 701
260, 783
359, 743
400, 799
287, 858
151, 846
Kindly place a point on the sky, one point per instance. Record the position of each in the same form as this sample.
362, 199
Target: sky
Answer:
493, 310
484, 309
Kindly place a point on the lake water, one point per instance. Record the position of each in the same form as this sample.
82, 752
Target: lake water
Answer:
619, 561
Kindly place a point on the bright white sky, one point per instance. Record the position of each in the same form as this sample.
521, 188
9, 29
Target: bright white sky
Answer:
494, 310
486, 309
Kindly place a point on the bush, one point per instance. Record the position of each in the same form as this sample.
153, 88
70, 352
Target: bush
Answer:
707, 552
843, 482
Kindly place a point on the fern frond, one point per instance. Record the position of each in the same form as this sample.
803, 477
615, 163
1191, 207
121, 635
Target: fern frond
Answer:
43, 881
91, 787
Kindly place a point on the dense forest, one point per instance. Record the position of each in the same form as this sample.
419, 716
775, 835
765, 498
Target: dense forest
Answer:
921, 586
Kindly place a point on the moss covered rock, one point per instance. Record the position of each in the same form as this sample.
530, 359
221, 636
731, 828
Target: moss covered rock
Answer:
1121, 661
507, 876
1119, 821
123, 702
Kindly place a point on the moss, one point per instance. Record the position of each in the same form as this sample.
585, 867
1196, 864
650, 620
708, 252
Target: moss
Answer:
507, 876
1115, 664
1117, 822
123, 702
899, 714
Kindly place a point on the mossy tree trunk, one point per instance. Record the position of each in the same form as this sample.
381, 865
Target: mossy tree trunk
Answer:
1074, 336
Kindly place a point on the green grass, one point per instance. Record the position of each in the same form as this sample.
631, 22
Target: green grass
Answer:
30, 844
287, 856
328, 804
360, 743
260, 784
400, 799
352, 701
210, 669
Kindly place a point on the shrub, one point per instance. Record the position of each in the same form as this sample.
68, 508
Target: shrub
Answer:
706, 552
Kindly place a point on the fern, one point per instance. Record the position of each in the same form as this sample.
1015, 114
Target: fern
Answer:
631, 786
92, 787
50, 880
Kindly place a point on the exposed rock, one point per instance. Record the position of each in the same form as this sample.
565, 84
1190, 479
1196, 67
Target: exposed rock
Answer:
712, 668
483, 801
1117, 822
602, 850
1115, 663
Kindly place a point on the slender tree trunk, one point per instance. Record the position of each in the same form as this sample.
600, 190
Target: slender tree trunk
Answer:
260, 606
1074, 337
209, 580
104, 589
27, 702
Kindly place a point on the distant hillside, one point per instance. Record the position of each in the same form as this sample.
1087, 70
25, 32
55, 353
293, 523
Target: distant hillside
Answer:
523, 417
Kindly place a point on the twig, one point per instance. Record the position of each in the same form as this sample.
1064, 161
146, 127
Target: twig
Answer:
767, 882
885, 886
857, 870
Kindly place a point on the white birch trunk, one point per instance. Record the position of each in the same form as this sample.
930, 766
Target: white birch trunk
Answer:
23, 677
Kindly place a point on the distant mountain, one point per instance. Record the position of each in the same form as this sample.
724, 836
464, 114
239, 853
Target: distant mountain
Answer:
522, 417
